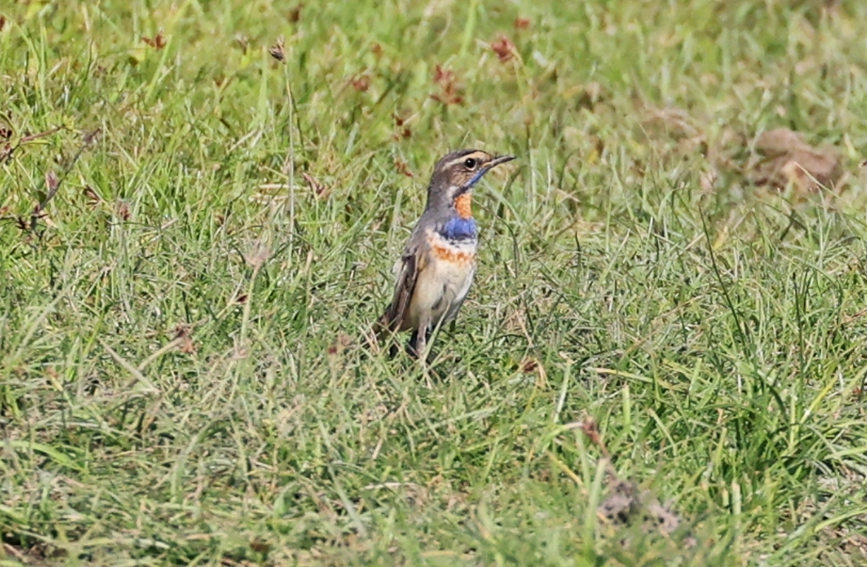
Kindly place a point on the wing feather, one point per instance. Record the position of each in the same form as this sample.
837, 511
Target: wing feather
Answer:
394, 315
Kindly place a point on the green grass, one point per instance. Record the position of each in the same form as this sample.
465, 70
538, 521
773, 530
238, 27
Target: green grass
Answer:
182, 378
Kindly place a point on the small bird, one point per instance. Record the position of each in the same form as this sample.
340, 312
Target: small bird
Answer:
436, 269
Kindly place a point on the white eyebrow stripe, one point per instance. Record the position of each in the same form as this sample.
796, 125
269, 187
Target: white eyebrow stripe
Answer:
475, 155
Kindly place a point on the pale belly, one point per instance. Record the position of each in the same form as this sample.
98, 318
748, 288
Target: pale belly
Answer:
443, 284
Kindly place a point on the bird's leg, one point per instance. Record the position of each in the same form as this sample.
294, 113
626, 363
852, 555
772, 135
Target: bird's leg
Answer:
419, 339
424, 333
420, 346
411, 346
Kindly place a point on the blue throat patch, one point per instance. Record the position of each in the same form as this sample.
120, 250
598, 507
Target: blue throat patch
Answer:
477, 177
457, 228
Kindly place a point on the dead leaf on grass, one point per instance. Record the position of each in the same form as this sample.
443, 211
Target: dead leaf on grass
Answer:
403, 167
522, 23
504, 48
450, 89
786, 159
157, 42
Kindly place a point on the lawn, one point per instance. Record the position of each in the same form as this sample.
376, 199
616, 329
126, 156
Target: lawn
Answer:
662, 360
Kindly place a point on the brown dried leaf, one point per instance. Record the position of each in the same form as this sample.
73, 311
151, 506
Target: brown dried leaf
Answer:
450, 91
504, 48
789, 160
157, 42
522, 23
403, 167
360, 82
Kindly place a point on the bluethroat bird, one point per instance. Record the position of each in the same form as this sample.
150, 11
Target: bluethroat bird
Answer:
436, 269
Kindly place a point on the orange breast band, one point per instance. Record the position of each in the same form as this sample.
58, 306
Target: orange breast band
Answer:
449, 254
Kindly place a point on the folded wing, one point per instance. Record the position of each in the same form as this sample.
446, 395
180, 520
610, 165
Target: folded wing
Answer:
393, 318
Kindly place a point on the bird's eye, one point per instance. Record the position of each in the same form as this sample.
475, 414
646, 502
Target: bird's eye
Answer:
470, 163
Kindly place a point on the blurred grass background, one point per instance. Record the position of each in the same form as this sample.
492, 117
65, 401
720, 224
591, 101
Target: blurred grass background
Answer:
182, 380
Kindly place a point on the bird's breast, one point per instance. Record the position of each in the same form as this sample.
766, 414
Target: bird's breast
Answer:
445, 280
459, 228
458, 251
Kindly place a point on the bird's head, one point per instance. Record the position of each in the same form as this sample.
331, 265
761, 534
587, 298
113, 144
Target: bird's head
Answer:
455, 175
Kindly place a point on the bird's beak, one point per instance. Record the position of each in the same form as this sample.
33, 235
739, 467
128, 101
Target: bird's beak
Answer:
498, 160
486, 168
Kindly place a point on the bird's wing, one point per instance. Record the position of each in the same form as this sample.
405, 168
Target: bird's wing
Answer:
411, 264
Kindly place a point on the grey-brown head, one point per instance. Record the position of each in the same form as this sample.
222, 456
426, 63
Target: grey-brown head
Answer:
456, 174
